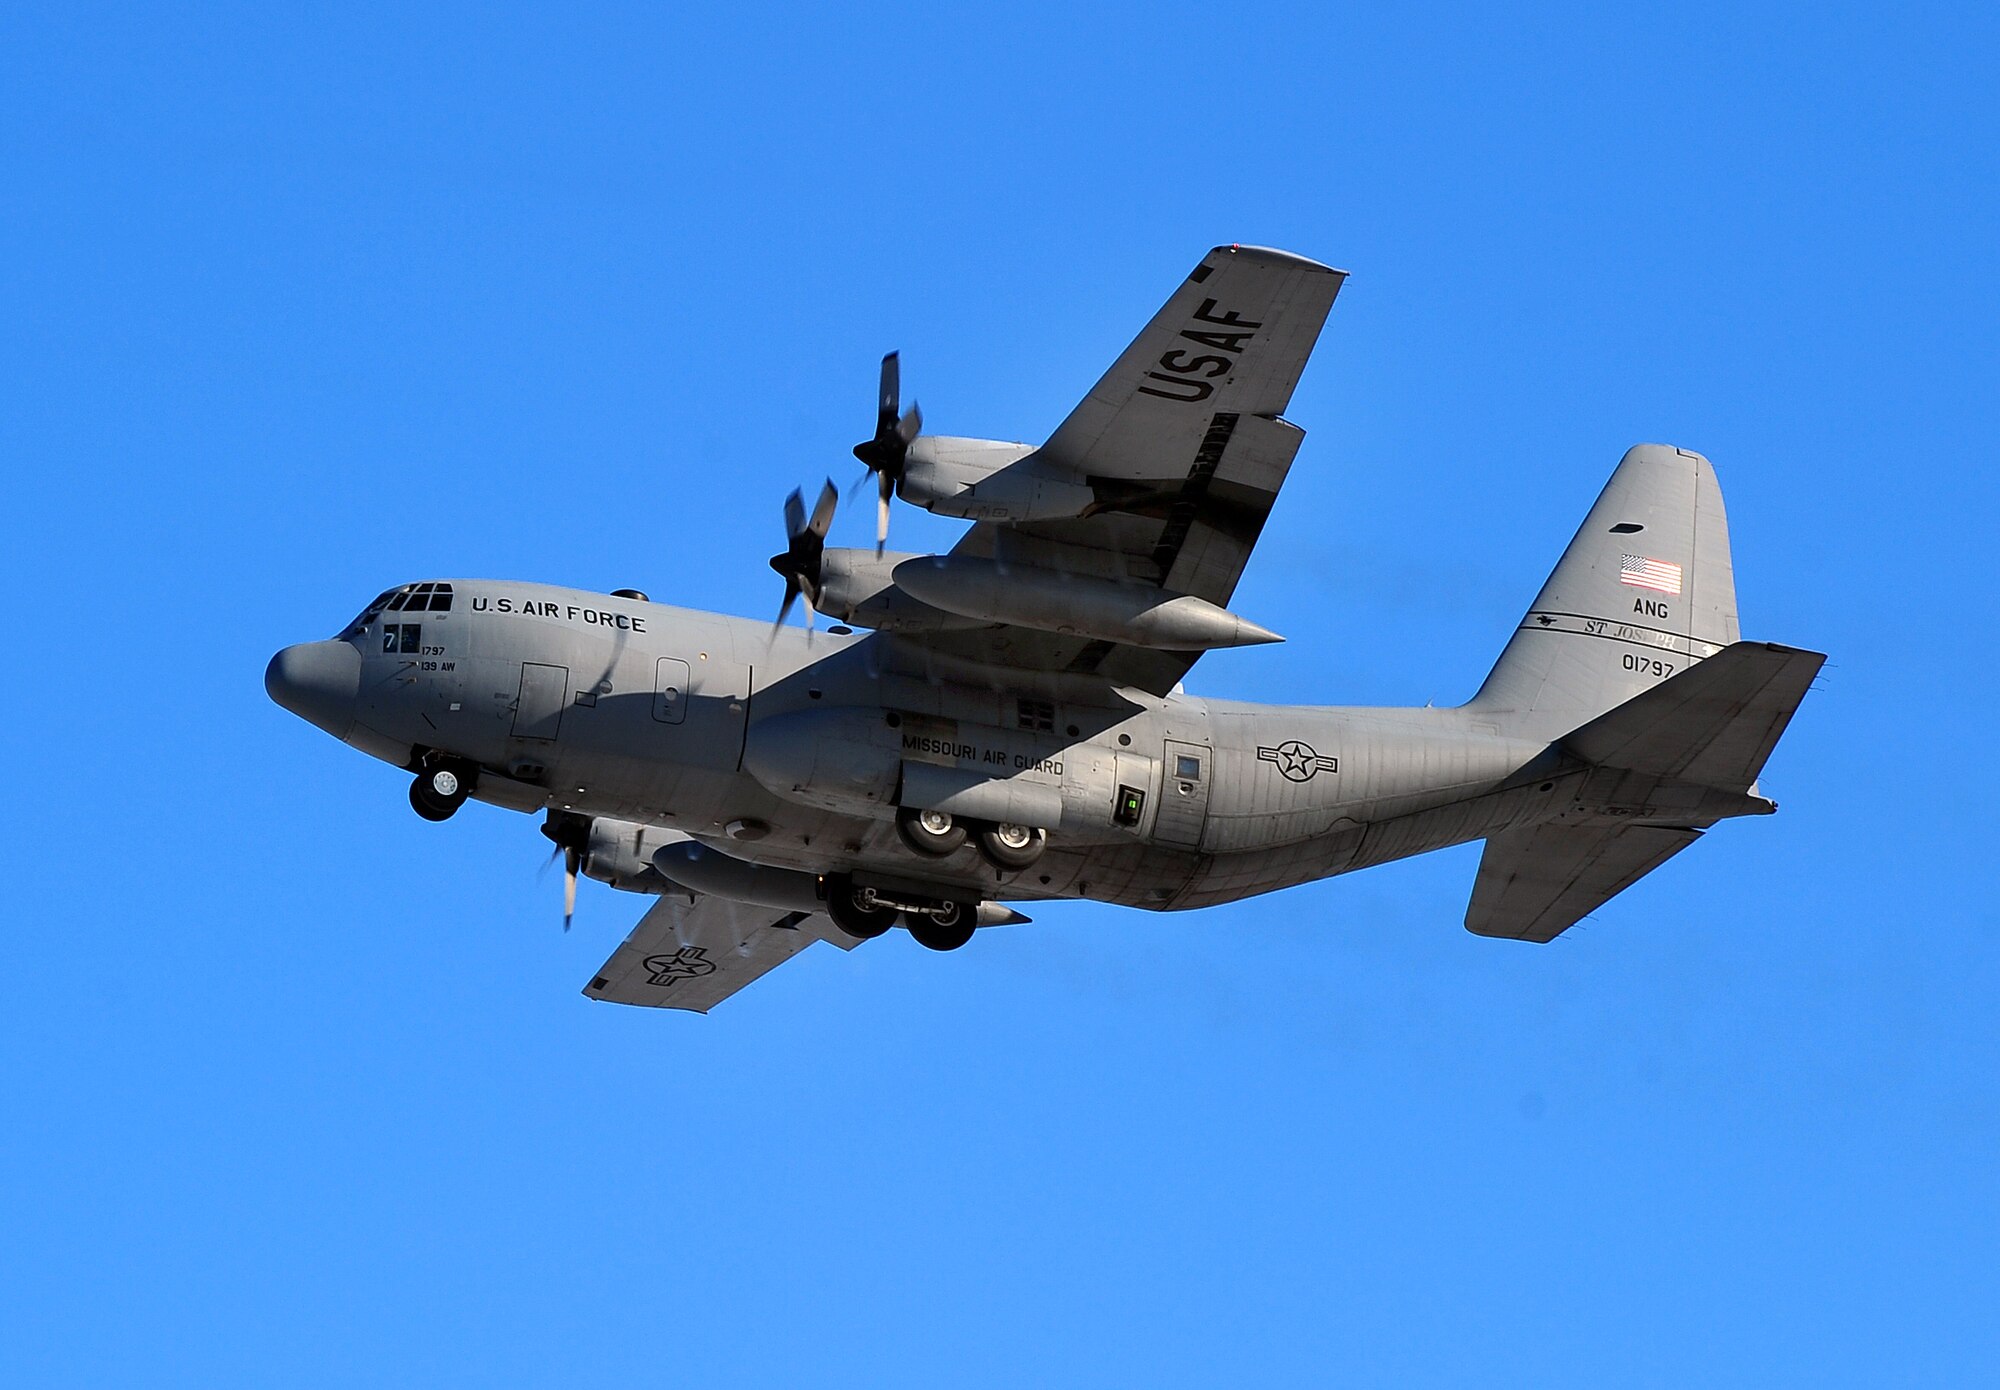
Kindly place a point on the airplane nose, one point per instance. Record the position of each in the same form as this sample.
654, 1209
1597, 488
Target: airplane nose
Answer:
317, 681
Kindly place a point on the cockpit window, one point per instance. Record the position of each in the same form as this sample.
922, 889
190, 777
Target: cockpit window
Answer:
410, 598
421, 598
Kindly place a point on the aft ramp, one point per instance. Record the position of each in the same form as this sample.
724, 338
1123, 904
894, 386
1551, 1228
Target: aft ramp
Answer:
1632, 647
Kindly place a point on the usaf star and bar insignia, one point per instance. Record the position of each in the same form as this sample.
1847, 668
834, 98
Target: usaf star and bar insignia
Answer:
1298, 761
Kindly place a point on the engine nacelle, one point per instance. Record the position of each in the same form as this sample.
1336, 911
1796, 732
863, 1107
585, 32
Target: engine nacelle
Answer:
859, 587
698, 867
621, 853
987, 480
995, 591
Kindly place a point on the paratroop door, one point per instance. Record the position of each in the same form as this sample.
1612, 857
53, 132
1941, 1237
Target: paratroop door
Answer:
670, 690
1184, 778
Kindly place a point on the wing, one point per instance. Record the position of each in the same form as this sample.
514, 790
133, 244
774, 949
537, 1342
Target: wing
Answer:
693, 955
1535, 884
1183, 450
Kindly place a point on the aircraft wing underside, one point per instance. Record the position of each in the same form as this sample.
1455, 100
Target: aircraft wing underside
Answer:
694, 954
1182, 444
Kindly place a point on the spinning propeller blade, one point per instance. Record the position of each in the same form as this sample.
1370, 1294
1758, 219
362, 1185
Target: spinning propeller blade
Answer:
888, 450
799, 561
571, 834
572, 861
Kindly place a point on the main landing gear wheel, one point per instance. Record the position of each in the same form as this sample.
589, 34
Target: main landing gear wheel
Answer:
947, 929
438, 792
1013, 846
855, 910
936, 833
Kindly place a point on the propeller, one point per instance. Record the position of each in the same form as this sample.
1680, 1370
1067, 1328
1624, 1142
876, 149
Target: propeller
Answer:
571, 834
799, 561
886, 453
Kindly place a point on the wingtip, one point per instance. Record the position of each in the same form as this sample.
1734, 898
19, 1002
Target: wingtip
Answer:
1277, 257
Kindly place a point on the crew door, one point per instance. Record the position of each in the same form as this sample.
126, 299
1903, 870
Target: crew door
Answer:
539, 710
1184, 777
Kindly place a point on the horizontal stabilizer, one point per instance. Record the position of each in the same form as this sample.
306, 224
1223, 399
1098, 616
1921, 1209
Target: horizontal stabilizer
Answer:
1535, 884
1713, 724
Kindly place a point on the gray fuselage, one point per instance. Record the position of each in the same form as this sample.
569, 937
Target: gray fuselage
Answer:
793, 751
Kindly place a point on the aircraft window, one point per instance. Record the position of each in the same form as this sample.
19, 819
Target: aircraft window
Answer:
1187, 769
402, 637
368, 615
420, 598
1038, 715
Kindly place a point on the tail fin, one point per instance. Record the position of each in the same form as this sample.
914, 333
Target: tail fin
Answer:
1645, 590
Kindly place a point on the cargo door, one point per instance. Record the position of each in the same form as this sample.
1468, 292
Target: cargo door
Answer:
1185, 772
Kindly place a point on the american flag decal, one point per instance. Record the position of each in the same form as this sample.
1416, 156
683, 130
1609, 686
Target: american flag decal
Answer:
1649, 574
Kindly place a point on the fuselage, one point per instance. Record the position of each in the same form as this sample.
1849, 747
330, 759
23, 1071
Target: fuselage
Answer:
793, 750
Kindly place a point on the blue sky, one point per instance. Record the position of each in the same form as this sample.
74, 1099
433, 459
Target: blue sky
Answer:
303, 302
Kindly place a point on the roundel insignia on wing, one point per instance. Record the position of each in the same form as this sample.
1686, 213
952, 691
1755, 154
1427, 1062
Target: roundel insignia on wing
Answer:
688, 963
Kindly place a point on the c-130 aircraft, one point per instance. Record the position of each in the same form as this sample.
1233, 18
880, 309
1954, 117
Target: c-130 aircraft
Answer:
1011, 726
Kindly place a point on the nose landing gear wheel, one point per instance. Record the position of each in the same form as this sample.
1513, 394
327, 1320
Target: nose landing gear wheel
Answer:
945, 930
855, 910
935, 833
1013, 846
438, 792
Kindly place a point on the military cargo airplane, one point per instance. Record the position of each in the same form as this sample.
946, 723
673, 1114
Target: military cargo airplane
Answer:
1009, 725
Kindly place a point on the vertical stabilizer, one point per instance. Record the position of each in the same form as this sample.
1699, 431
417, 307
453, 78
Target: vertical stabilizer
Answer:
1644, 591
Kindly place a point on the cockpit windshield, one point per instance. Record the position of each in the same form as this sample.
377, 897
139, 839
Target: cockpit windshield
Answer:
410, 598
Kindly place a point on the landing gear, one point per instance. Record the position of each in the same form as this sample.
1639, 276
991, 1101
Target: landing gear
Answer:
439, 791
857, 911
934, 833
1013, 846
946, 929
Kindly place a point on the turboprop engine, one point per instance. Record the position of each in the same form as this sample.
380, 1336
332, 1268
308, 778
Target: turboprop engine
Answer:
1142, 615
859, 587
621, 853
987, 480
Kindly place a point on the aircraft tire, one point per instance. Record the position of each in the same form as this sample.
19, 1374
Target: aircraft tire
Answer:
1012, 846
843, 905
943, 932
930, 833
432, 804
